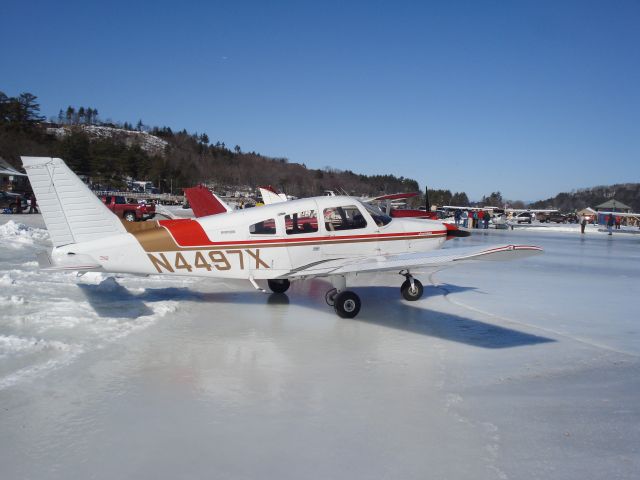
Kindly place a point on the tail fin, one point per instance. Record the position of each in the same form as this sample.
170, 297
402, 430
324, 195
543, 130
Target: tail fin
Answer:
70, 210
204, 203
270, 196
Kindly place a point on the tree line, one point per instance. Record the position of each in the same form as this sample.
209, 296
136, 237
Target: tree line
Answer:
189, 158
628, 193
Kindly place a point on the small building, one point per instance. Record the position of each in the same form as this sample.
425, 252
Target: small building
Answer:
589, 213
613, 205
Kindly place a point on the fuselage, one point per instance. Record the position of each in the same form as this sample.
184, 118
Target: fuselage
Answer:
261, 243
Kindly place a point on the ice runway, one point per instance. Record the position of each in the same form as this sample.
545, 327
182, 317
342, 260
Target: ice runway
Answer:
524, 369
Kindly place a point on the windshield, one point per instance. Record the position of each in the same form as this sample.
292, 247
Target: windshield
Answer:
380, 218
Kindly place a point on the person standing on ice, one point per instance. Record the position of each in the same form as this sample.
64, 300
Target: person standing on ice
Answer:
456, 217
583, 223
610, 221
465, 219
33, 205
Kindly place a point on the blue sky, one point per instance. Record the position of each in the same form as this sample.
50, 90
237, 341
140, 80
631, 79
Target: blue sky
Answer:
527, 97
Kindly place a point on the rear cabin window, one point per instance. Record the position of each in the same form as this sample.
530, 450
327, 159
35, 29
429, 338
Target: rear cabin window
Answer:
343, 218
301, 222
265, 227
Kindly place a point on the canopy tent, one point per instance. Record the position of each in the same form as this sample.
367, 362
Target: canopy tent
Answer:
587, 212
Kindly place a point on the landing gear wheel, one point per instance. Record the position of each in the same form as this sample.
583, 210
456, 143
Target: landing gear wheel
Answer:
330, 297
347, 304
130, 217
412, 293
279, 286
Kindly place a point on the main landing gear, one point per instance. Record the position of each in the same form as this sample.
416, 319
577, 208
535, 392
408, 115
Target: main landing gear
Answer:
347, 304
279, 285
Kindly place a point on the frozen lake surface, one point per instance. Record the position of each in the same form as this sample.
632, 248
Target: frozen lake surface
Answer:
517, 370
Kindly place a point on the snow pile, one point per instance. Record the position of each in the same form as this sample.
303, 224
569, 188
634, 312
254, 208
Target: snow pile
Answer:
12, 345
16, 234
12, 300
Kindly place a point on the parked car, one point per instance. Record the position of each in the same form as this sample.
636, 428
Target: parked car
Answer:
129, 211
524, 217
13, 201
558, 217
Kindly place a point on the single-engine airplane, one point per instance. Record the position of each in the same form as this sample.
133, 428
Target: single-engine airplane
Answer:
334, 237
386, 203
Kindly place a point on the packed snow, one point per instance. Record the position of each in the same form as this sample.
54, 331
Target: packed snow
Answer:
521, 370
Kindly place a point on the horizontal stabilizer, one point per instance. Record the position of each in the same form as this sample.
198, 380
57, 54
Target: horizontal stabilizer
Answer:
70, 262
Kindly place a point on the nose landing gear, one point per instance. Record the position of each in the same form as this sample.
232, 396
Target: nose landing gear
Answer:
411, 288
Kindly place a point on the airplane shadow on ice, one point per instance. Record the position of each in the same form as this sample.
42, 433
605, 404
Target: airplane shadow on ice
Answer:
382, 306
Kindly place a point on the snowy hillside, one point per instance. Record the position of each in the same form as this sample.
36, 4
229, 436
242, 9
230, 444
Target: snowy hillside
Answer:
147, 142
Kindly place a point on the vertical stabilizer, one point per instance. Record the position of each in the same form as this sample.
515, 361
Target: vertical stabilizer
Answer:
70, 210
204, 203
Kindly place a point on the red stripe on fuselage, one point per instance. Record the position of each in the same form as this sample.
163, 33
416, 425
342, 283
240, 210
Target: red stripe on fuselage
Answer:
189, 233
186, 233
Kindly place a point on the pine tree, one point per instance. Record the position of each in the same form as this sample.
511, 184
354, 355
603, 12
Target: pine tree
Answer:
69, 114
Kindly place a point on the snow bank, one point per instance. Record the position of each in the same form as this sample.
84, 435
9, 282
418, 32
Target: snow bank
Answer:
12, 345
17, 234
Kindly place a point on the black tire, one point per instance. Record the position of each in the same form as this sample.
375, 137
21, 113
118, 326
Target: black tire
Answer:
14, 208
130, 217
412, 294
279, 286
347, 304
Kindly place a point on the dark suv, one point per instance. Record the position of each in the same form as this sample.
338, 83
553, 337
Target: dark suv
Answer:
558, 217
13, 201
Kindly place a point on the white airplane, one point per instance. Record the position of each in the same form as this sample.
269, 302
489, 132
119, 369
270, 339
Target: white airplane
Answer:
334, 237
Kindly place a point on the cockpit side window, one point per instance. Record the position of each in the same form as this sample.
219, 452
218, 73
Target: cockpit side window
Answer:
265, 227
380, 218
347, 217
301, 222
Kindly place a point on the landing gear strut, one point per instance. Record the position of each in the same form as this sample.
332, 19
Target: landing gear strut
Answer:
411, 288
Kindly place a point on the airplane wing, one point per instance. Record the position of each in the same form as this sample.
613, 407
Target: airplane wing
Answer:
408, 261
393, 196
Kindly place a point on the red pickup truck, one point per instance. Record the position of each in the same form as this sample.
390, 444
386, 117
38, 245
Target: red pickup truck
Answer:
129, 211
